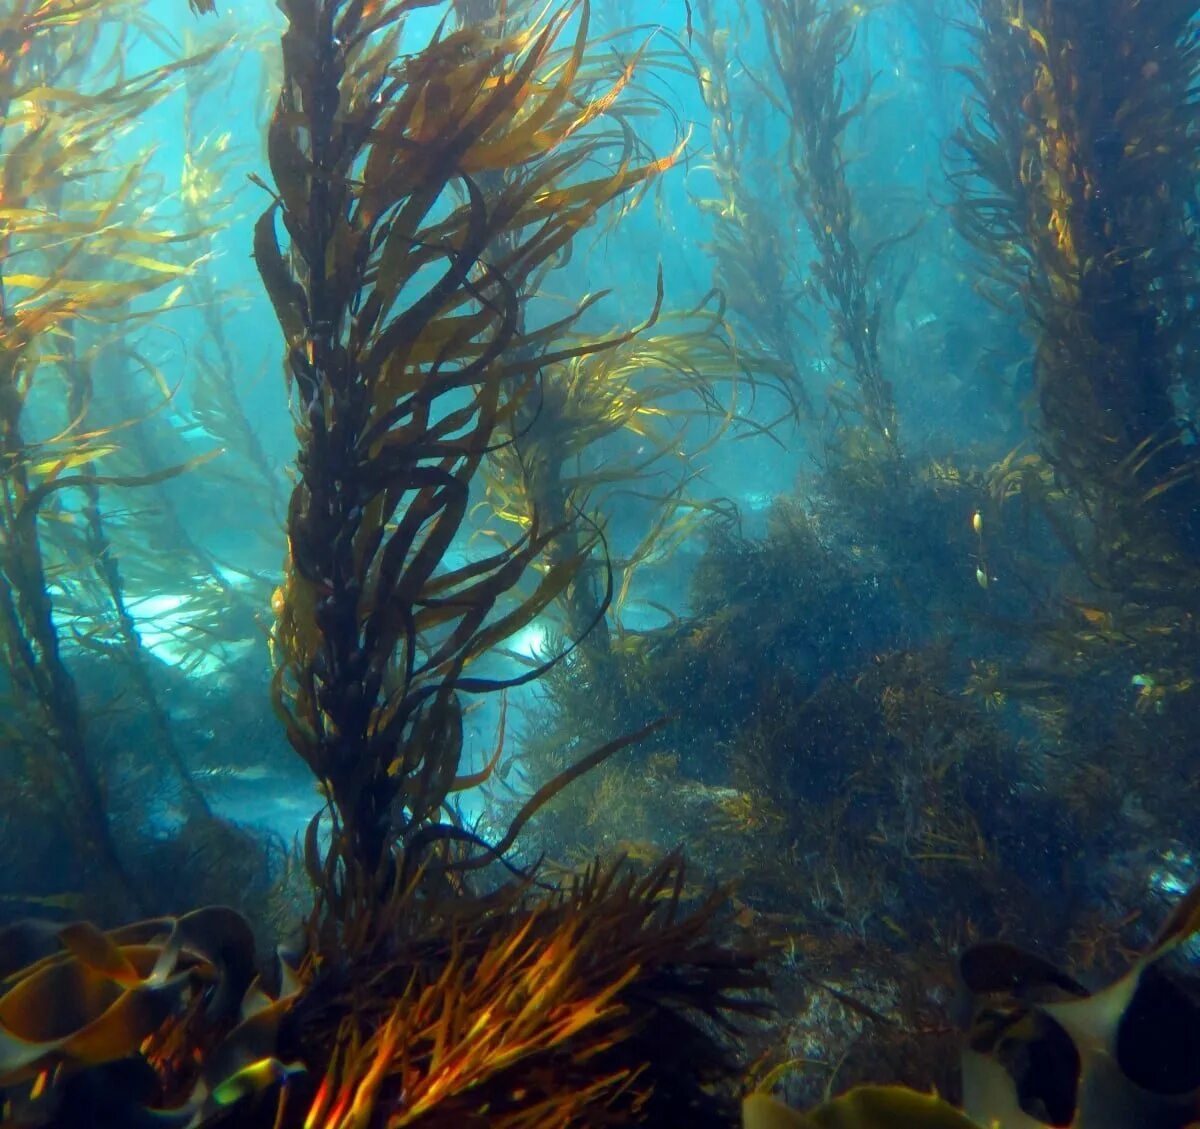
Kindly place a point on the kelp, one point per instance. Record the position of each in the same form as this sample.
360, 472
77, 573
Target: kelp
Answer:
398, 302
591, 1006
536, 1012
865, 1107
752, 251
64, 262
614, 428
1040, 1050
810, 42
217, 409
76, 1003
1074, 187
422, 196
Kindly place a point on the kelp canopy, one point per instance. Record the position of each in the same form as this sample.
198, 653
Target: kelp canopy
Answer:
923, 694
400, 286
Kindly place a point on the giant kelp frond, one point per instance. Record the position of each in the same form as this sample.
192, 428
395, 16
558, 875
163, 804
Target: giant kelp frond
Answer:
748, 243
810, 42
77, 244
398, 302
1076, 189
1083, 126
587, 1009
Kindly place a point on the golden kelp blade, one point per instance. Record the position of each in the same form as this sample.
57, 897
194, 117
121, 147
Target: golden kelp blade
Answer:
102, 994
866, 1107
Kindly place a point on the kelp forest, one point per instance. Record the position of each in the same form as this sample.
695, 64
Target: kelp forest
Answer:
588, 563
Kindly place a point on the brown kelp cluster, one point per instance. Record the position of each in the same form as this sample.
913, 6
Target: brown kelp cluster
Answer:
592, 1006
1077, 192
589, 1007
420, 194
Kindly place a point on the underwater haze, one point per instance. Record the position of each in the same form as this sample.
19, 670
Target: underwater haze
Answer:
598, 562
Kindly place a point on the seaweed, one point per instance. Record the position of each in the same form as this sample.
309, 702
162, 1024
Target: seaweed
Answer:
1074, 189
589, 1005
52, 250
406, 360
810, 42
754, 260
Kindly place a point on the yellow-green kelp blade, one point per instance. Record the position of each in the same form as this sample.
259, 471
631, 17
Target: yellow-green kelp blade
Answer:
865, 1107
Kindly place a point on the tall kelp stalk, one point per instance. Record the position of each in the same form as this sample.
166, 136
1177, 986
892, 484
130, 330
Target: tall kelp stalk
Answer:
406, 360
810, 43
125, 644
55, 271
1078, 187
113, 630
750, 246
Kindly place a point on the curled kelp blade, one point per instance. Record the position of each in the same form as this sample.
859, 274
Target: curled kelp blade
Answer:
1041, 1052
102, 998
865, 1107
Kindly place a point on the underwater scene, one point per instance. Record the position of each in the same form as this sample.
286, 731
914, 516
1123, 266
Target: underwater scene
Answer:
574, 563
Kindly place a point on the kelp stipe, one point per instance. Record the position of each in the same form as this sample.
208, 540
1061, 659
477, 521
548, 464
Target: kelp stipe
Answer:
810, 42
406, 358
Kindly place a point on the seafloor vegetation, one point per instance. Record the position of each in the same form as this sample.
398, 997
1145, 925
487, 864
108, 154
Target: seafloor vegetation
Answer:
695, 702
